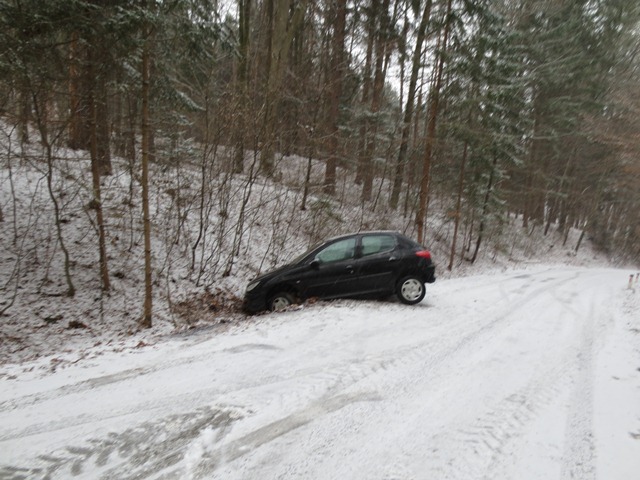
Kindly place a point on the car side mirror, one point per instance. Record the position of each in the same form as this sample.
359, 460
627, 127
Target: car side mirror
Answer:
315, 264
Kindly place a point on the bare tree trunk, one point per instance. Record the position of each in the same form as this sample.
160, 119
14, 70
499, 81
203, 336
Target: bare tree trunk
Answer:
555, 212
458, 213
311, 145
584, 229
240, 225
533, 211
307, 179
23, 116
74, 91
81, 88
337, 68
244, 10
146, 320
485, 208
100, 117
366, 90
16, 273
97, 202
132, 122
44, 137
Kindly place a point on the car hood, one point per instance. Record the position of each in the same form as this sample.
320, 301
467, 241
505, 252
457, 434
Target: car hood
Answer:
273, 273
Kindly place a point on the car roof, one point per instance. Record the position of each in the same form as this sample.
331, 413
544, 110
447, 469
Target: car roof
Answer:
368, 232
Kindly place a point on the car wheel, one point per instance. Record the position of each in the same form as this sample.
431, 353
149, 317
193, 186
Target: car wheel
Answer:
280, 301
410, 290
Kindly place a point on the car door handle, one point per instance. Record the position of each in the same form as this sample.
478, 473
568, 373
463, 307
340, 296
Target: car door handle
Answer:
350, 268
392, 259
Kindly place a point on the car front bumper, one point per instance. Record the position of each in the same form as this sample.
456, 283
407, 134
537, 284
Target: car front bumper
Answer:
253, 303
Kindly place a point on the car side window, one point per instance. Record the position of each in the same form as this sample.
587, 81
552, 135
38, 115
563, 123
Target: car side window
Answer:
341, 250
372, 244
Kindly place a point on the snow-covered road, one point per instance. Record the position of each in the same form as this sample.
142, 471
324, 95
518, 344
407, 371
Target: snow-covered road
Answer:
526, 375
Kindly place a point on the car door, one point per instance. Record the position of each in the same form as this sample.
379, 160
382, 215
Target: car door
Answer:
333, 273
378, 263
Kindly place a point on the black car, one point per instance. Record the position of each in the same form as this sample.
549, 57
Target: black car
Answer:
375, 264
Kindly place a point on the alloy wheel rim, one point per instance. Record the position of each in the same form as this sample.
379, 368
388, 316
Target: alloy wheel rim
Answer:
412, 289
280, 303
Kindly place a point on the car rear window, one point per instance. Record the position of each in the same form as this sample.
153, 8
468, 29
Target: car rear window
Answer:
372, 244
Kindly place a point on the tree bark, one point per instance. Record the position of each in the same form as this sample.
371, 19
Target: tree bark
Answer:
146, 320
458, 212
97, 202
244, 21
485, 208
101, 121
337, 69
366, 90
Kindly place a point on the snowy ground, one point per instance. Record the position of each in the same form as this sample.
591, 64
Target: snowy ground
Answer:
530, 374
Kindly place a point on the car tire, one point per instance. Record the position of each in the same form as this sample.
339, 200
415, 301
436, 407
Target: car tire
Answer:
410, 290
280, 301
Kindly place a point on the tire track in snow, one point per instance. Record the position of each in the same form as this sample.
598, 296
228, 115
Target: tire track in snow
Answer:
439, 349
137, 452
478, 448
482, 448
579, 453
129, 374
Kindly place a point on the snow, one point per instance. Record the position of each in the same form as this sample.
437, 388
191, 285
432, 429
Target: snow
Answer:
529, 374
509, 369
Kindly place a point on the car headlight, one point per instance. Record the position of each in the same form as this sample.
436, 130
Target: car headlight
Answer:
253, 285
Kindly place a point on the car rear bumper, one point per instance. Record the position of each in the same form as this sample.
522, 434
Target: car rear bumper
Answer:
429, 275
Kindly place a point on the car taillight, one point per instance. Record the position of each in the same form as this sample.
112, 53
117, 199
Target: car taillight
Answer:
424, 254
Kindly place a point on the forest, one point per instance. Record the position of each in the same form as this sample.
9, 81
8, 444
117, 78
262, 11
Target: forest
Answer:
163, 134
